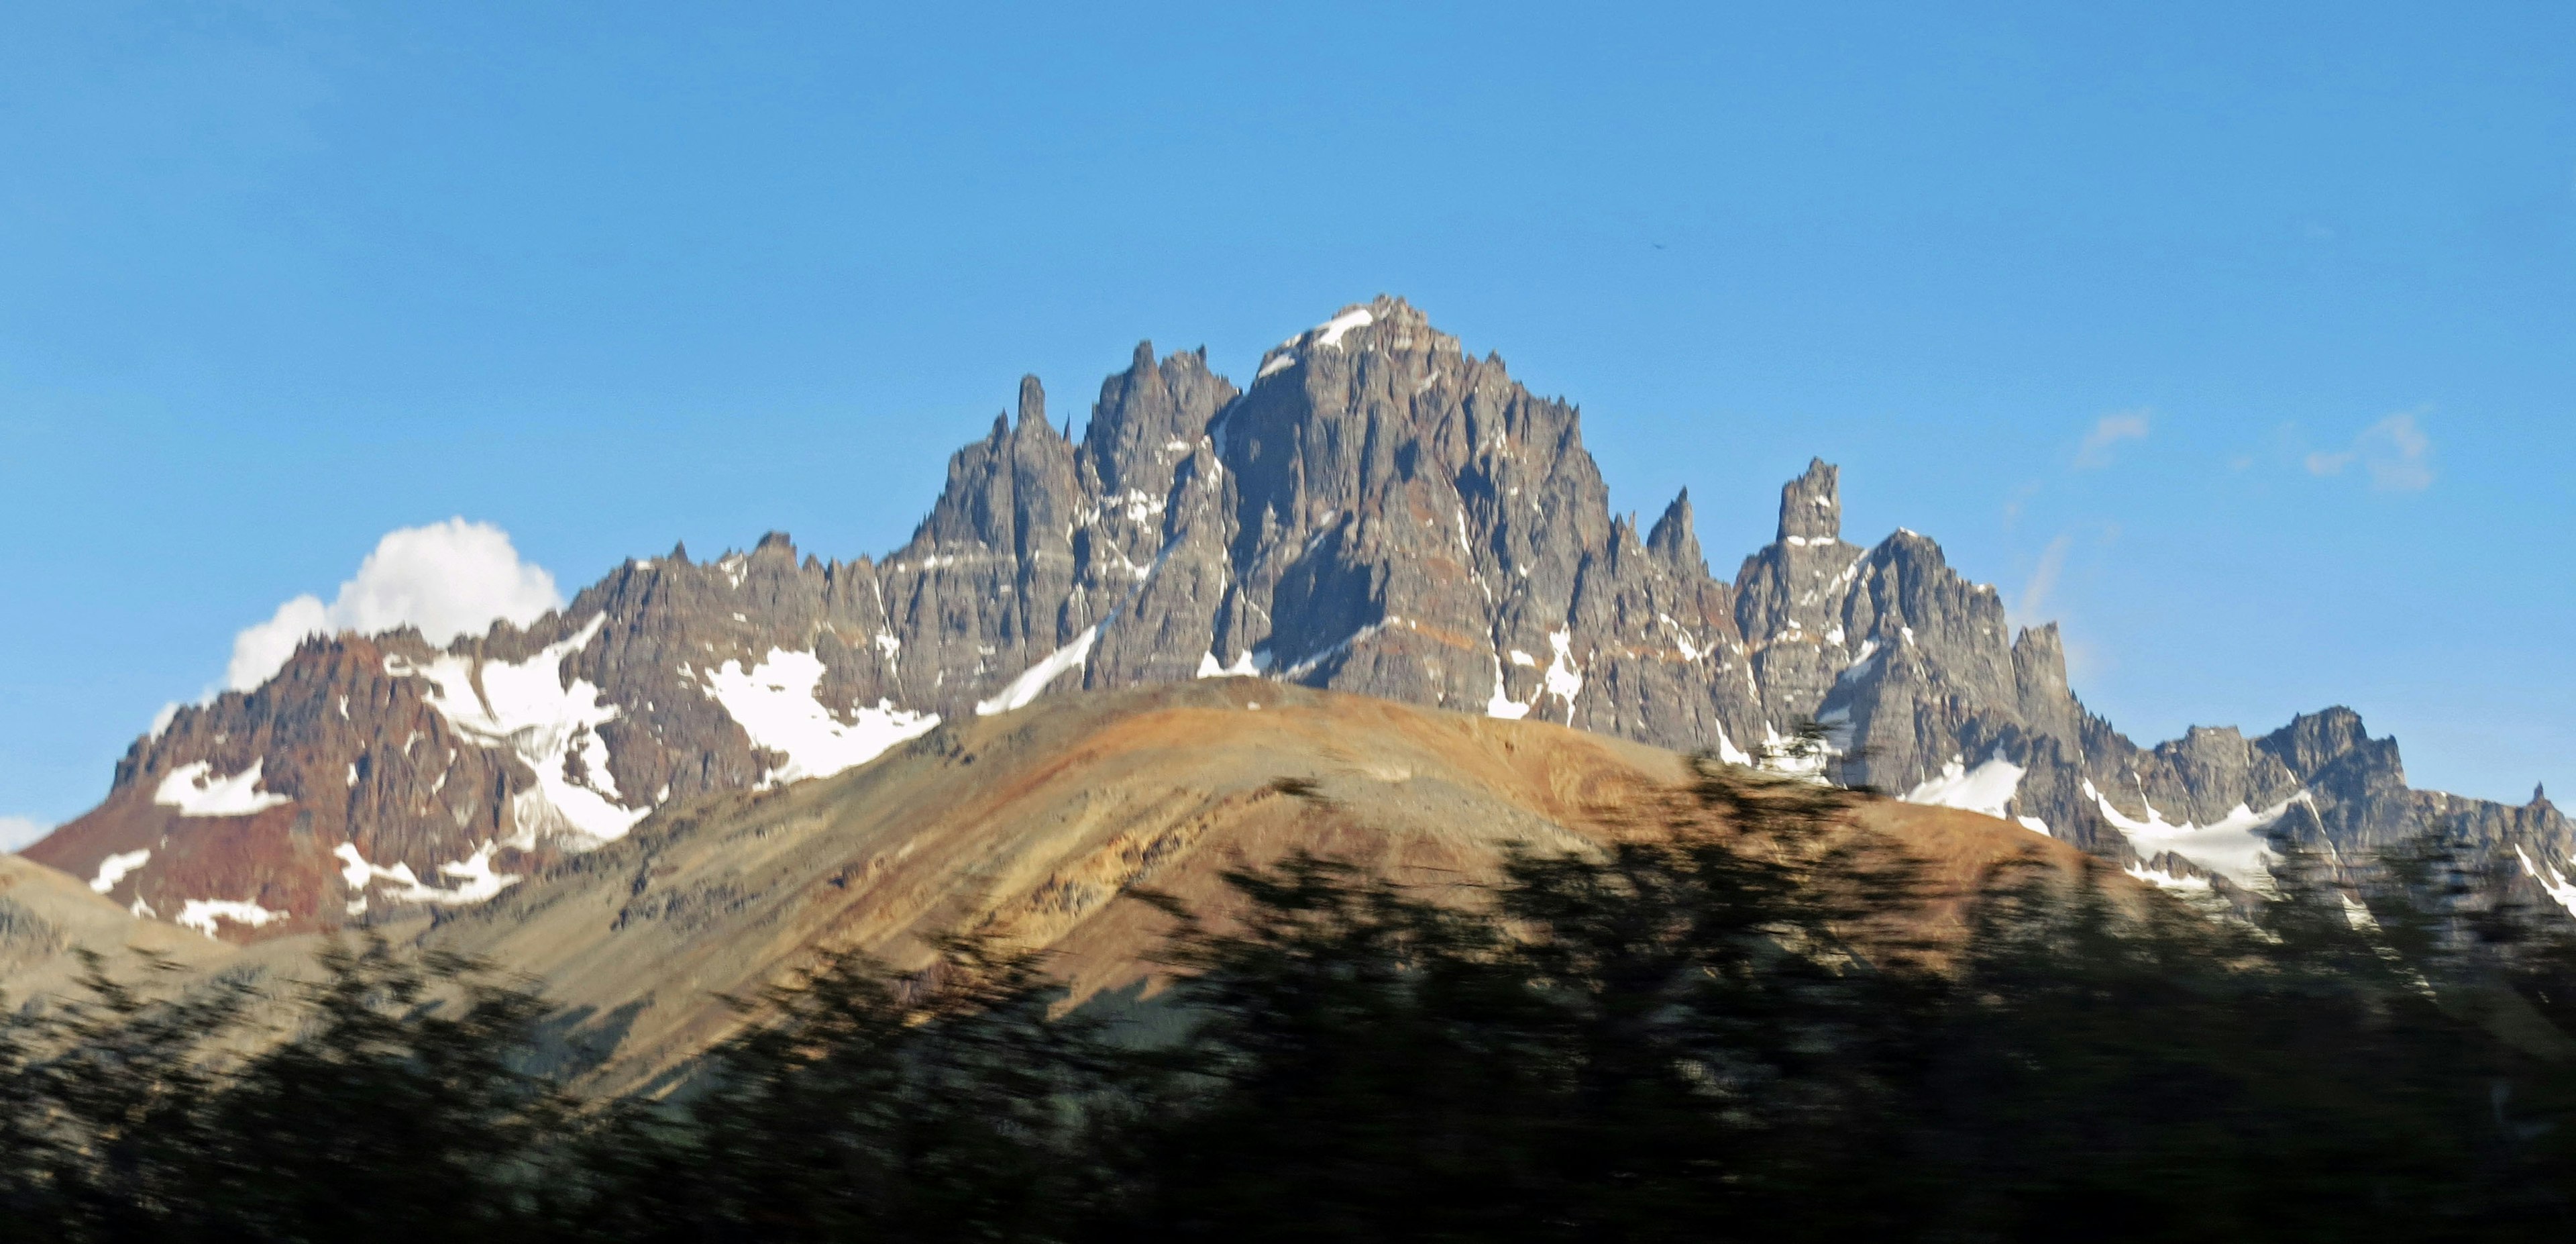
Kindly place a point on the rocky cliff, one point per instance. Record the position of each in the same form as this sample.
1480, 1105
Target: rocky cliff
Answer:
1381, 512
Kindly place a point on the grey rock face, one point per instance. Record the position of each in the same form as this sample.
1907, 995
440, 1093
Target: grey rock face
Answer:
1380, 512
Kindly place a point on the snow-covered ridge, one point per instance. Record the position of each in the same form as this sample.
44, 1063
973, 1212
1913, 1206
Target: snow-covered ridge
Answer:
527, 708
774, 703
194, 790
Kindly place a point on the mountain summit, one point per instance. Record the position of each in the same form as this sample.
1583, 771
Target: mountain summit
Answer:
1380, 512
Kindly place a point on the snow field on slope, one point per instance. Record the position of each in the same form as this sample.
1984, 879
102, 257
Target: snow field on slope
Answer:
526, 708
194, 791
2558, 886
202, 913
1035, 678
113, 869
2233, 846
475, 875
774, 703
1988, 788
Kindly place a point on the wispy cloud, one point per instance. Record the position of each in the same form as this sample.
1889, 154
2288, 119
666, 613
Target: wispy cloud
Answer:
2043, 580
17, 832
2393, 451
2107, 433
2021, 497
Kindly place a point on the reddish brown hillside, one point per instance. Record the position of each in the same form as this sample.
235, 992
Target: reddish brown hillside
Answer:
1038, 825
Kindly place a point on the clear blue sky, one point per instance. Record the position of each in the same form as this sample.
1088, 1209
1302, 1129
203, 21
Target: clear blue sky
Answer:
278, 278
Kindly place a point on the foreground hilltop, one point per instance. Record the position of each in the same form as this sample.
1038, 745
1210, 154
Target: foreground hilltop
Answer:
1381, 512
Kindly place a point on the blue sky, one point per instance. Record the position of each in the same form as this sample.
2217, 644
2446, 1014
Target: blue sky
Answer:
2240, 339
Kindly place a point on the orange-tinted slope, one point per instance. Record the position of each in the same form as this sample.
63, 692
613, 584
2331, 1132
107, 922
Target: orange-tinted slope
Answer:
1038, 826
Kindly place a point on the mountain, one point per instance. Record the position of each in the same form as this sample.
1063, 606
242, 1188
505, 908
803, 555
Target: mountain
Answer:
1379, 513
1037, 826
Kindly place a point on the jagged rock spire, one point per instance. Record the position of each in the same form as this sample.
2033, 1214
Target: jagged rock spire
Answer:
1811, 507
1673, 538
1032, 401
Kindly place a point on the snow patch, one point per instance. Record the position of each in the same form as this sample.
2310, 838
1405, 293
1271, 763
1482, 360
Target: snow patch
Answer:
774, 703
1500, 704
2558, 886
194, 791
1792, 756
1728, 752
2233, 846
1249, 665
1339, 646
113, 869
1035, 678
1988, 788
1329, 333
1562, 678
1681, 638
526, 708
202, 913
476, 880
2175, 882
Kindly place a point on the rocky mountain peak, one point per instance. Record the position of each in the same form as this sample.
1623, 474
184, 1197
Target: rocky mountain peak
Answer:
1811, 507
1383, 325
1149, 418
1379, 513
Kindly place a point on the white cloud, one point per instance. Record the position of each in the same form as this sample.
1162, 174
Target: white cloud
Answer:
259, 651
449, 579
2108, 431
2393, 451
2043, 580
18, 832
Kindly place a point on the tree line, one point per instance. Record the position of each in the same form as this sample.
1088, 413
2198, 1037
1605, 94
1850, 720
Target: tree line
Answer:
1744, 1025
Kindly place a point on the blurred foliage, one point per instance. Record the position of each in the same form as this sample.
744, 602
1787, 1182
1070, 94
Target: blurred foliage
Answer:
1725, 1028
